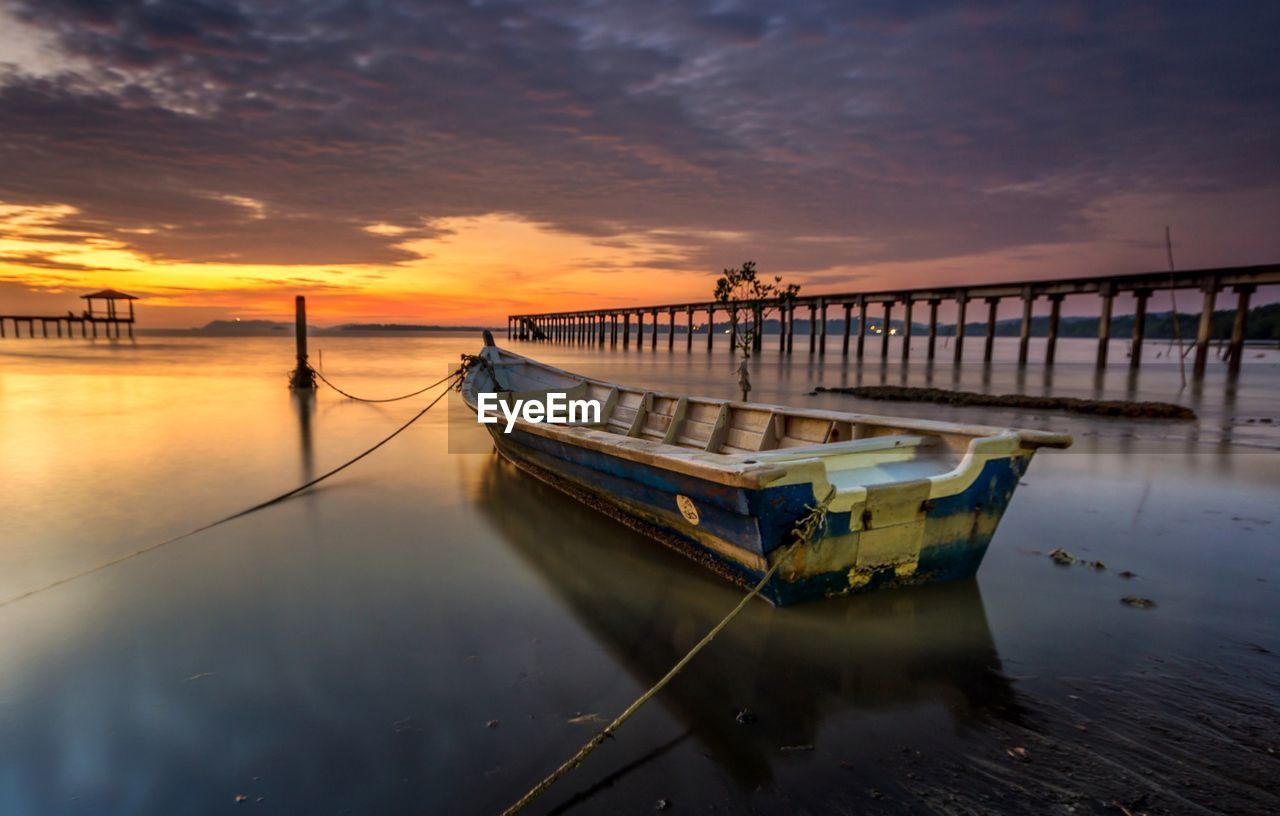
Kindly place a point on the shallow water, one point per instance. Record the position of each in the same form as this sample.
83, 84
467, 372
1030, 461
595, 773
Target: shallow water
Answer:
347, 650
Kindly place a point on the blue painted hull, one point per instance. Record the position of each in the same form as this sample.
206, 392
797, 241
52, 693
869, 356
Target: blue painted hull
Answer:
741, 530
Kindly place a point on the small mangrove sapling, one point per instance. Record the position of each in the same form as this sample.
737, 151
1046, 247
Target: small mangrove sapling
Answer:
743, 291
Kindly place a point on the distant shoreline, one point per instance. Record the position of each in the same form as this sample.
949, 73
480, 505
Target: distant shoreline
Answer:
268, 328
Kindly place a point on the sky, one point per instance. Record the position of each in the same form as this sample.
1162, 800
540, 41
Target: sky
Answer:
455, 162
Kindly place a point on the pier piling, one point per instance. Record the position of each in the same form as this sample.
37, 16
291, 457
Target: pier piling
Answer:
791, 325
907, 304
886, 330
1210, 289
862, 324
848, 324
1055, 315
1239, 327
993, 303
933, 327
1139, 327
962, 302
822, 337
1024, 328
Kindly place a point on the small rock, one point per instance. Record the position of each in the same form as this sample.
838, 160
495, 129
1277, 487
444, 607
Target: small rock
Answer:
1141, 603
1127, 574
1062, 558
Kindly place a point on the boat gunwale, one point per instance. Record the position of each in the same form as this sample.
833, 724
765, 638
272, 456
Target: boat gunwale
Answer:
751, 469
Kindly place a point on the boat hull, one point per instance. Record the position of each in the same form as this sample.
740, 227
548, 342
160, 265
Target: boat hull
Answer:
740, 531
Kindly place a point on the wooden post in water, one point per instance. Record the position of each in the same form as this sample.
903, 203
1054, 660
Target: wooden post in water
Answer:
933, 326
791, 326
1024, 330
848, 324
302, 376
906, 328
888, 326
993, 303
1139, 327
1055, 313
1104, 324
813, 327
1239, 327
688, 341
671, 329
653, 344
1210, 289
757, 317
962, 302
822, 330
640, 330
782, 328
711, 326
862, 324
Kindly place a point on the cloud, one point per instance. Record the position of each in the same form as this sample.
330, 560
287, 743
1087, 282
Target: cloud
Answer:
819, 135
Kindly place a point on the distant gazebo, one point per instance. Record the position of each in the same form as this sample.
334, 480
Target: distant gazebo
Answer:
110, 315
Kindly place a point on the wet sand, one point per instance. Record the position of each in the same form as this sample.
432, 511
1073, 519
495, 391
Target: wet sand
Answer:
433, 632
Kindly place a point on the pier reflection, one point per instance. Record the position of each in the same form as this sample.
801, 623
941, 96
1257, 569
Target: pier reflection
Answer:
793, 669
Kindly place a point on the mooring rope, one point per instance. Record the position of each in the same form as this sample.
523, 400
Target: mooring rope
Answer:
388, 399
583, 752
260, 506
812, 522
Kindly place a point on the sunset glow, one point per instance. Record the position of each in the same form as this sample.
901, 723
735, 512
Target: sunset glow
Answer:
449, 164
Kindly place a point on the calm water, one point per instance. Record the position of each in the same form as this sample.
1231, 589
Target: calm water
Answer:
432, 632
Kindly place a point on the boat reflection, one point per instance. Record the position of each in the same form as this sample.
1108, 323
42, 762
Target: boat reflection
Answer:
792, 668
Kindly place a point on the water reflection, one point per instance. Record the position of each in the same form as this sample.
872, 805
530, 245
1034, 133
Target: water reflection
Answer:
304, 402
791, 668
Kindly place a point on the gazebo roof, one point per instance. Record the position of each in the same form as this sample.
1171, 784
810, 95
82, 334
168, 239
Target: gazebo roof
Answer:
109, 294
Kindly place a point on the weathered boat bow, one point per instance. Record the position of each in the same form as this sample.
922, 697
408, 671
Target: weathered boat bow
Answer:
901, 501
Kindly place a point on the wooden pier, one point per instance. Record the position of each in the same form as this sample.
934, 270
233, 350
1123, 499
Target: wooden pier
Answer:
612, 327
111, 319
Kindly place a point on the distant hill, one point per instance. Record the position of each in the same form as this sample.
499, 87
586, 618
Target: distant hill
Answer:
244, 326
403, 327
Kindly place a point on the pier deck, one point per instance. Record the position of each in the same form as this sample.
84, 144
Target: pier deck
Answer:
601, 326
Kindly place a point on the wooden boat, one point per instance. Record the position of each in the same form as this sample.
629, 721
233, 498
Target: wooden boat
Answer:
898, 502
